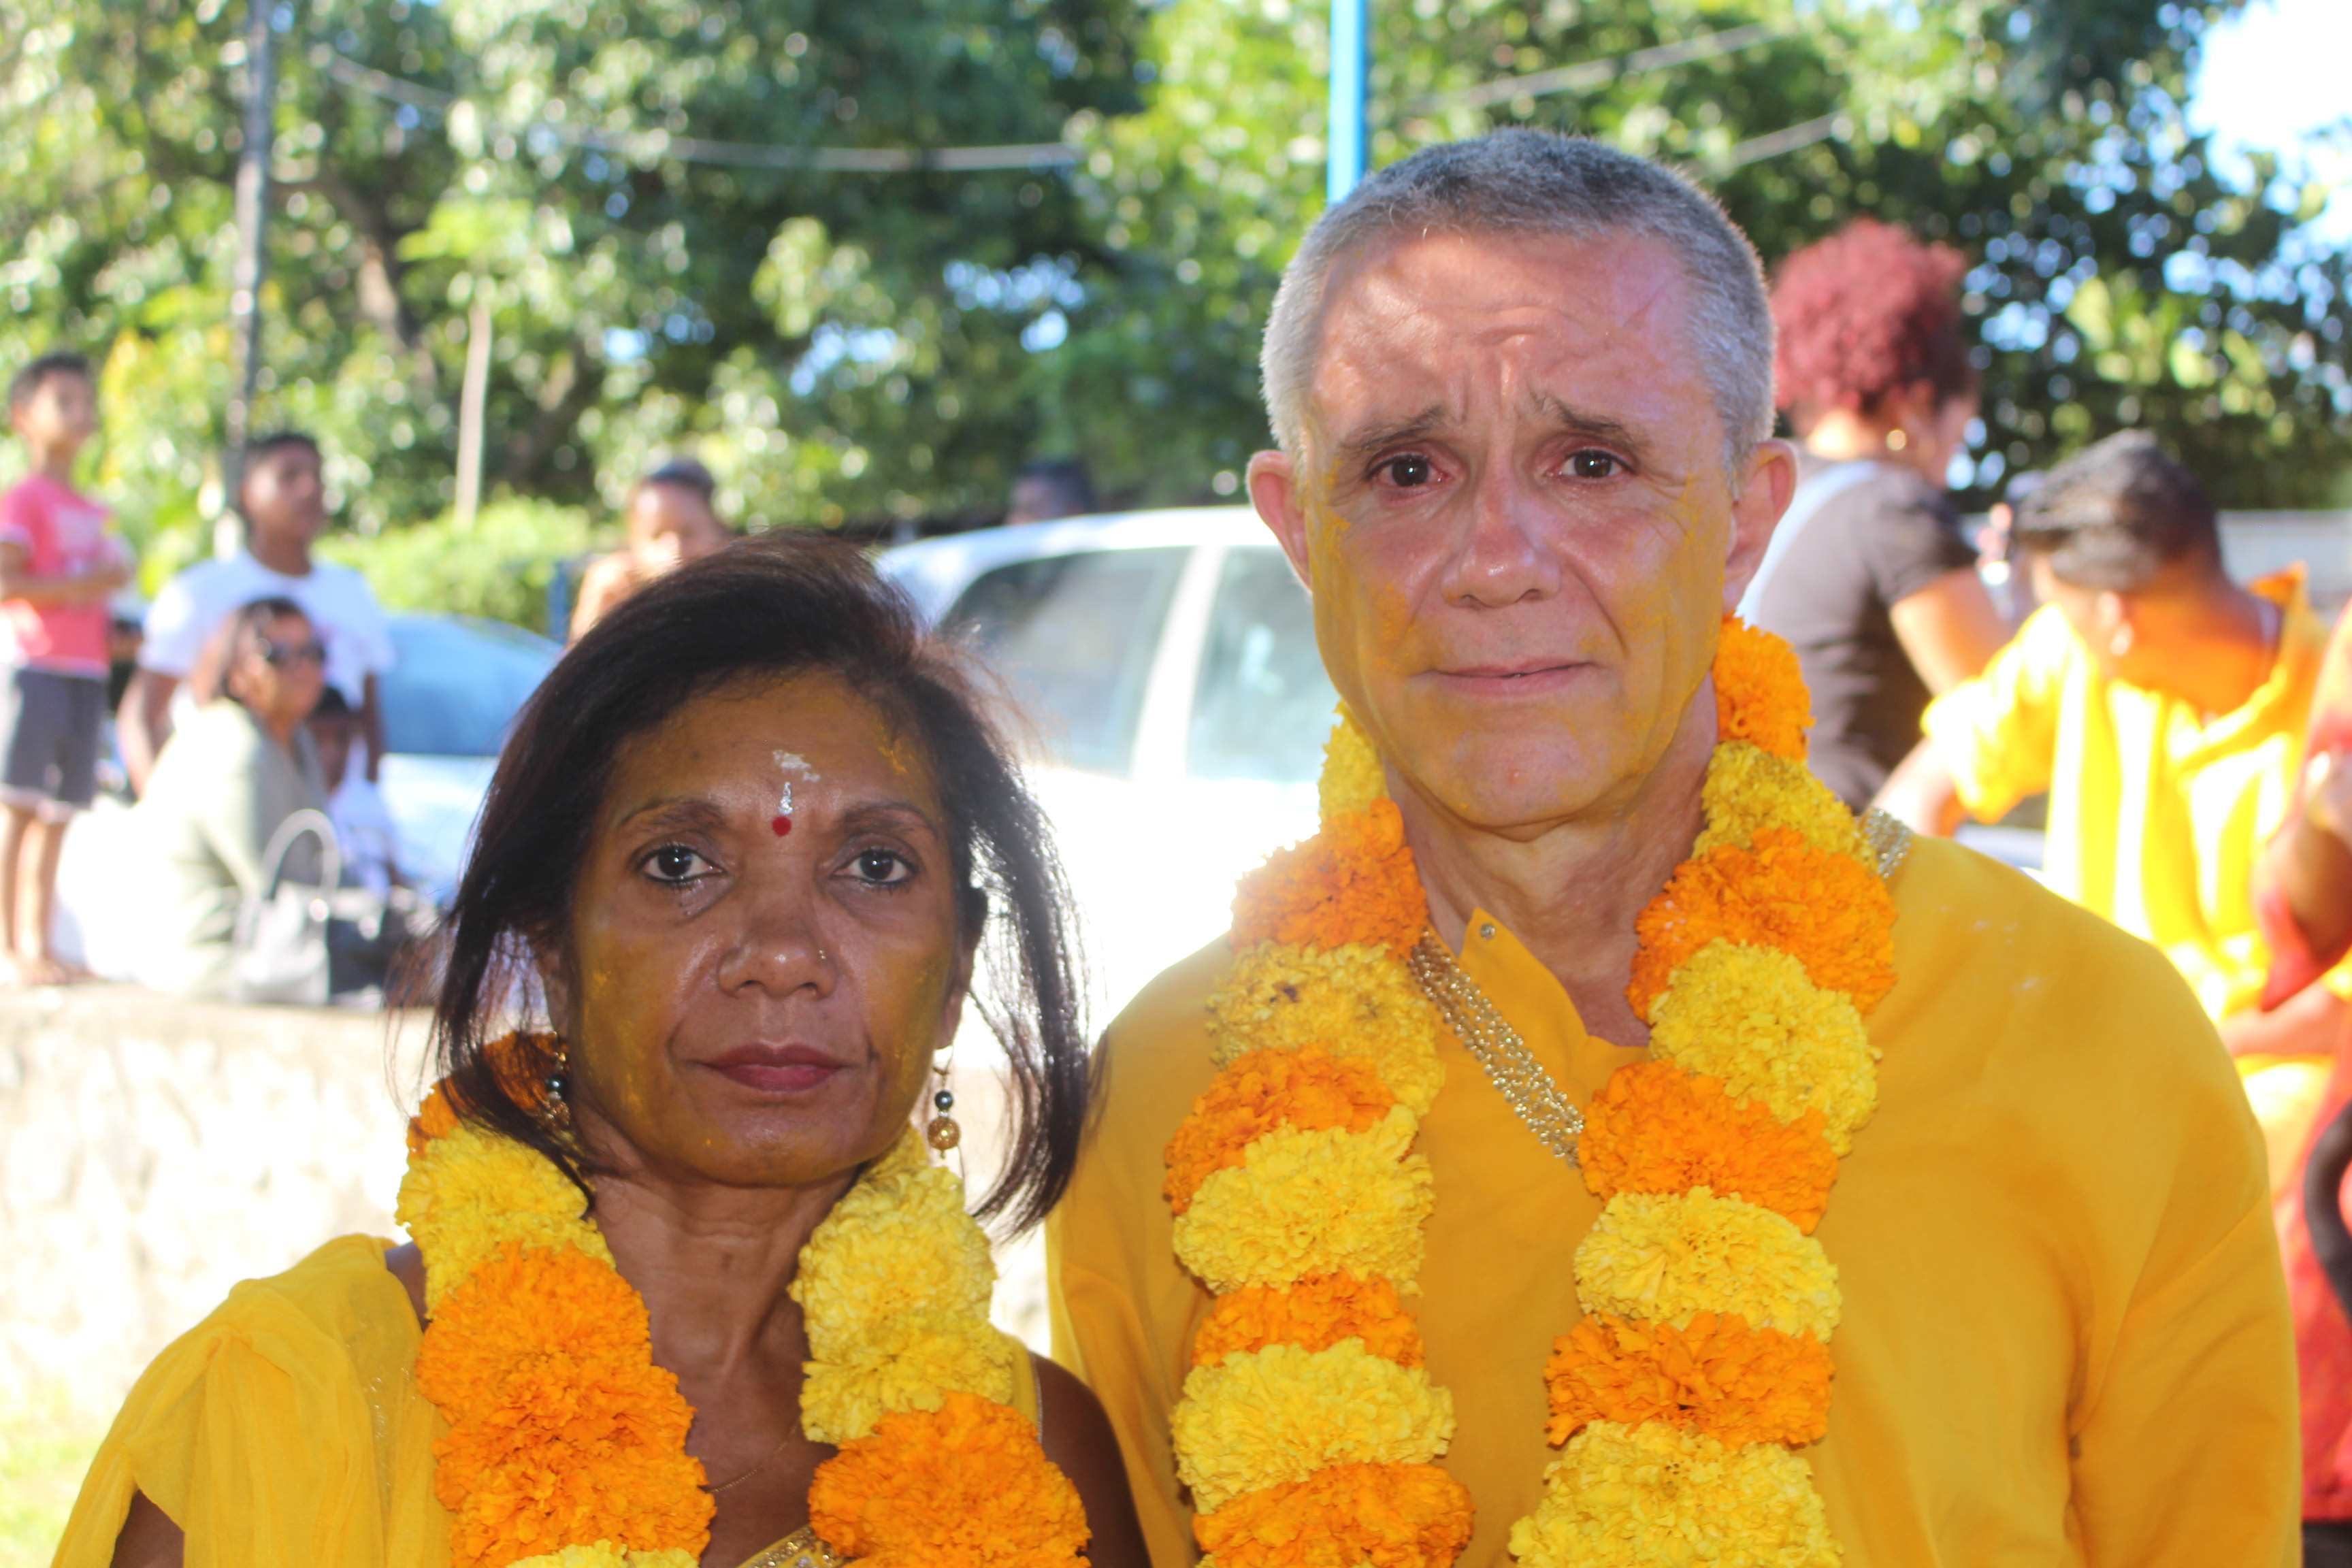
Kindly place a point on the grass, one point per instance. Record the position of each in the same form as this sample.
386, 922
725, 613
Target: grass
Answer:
44, 1446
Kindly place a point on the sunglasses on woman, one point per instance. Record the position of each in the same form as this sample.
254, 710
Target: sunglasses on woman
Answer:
276, 653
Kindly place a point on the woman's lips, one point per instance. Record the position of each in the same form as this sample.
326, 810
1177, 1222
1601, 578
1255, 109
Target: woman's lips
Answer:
775, 1070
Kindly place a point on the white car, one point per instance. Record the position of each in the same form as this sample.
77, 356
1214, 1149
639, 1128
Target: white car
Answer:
1167, 661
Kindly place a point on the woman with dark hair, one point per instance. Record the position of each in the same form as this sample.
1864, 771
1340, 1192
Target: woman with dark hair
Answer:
237, 769
684, 1283
1869, 573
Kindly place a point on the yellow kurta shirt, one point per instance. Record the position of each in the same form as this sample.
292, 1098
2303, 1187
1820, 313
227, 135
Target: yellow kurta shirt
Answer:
287, 1430
2065, 1336
2155, 816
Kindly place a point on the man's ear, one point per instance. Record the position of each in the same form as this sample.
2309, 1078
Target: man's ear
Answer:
1273, 488
2119, 621
1765, 490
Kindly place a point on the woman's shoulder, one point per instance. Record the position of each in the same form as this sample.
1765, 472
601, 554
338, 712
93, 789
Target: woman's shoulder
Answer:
339, 1306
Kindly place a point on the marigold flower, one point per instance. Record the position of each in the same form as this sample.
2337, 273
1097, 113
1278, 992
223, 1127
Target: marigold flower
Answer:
1353, 882
1353, 776
1750, 1016
1262, 1418
1301, 1203
1655, 1128
1354, 1001
1829, 911
1262, 1091
562, 1429
1344, 1516
1669, 1257
1760, 691
1737, 1383
966, 1486
1634, 1497
1314, 1314
469, 1192
434, 1119
1748, 789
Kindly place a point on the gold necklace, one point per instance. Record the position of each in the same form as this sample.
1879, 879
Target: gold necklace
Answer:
755, 1470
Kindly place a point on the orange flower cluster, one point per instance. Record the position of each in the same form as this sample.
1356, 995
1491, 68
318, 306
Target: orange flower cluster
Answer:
562, 1429
522, 1061
1344, 1516
434, 1119
1655, 1128
1830, 913
1353, 883
1760, 695
1309, 1089
961, 1486
1314, 1314
1736, 1383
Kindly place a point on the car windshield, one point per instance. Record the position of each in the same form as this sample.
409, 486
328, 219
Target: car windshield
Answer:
458, 684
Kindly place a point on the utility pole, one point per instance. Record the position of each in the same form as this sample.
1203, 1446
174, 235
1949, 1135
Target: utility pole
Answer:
1350, 80
252, 240
471, 395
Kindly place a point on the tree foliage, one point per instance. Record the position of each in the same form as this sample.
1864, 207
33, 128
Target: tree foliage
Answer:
847, 346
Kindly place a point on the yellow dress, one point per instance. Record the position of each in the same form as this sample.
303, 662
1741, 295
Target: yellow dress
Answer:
2065, 1338
286, 1430
2156, 816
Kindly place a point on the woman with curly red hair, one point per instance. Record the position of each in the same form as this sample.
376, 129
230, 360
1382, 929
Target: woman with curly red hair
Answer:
1870, 574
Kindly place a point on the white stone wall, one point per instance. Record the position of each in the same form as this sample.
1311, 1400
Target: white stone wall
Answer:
156, 1152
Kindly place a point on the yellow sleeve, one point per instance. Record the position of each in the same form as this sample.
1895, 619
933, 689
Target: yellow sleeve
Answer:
2186, 1439
281, 1432
1997, 733
1124, 1310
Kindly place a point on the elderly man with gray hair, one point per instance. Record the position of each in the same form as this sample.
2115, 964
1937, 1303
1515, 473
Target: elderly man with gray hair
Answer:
1597, 1146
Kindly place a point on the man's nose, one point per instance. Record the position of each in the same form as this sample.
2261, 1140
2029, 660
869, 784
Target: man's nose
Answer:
1503, 557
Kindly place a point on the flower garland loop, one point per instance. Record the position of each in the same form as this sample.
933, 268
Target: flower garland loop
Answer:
1309, 1428
566, 1445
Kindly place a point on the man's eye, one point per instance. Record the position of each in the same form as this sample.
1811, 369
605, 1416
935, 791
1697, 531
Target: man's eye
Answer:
1592, 464
675, 864
881, 866
1408, 473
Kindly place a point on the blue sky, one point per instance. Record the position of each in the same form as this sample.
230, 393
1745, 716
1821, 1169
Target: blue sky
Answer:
2279, 76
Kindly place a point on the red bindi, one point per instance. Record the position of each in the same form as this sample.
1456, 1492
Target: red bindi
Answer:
781, 826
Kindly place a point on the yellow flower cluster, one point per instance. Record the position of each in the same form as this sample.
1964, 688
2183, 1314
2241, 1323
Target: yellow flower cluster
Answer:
540, 1354
1619, 1496
1354, 1001
1268, 1417
895, 1286
1301, 1404
1752, 1017
1668, 1256
1312, 1202
1709, 1311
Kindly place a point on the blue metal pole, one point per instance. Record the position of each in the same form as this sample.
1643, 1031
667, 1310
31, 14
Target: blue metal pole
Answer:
1350, 71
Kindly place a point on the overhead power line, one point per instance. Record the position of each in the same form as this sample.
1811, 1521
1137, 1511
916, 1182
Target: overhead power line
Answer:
646, 146
1587, 74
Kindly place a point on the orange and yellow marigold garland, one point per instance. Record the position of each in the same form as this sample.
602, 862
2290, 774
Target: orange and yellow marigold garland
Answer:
1714, 1160
568, 1445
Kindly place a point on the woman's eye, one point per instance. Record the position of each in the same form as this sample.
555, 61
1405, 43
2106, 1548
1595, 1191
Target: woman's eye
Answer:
882, 866
1592, 465
675, 863
1408, 472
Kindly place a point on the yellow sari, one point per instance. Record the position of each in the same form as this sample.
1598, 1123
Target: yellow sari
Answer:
286, 1430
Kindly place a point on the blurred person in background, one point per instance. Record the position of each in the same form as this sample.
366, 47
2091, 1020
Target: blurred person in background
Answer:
234, 771
2004, 575
2161, 704
2303, 897
672, 518
282, 497
1049, 488
1870, 574
59, 565
363, 825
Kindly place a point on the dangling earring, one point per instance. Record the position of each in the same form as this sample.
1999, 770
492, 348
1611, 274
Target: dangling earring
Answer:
555, 1108
941, 1132
1897, 439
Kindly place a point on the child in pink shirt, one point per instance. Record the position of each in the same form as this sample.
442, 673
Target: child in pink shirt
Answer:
58, 567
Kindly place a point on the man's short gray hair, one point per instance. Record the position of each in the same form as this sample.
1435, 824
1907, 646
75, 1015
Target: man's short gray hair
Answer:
1522, 183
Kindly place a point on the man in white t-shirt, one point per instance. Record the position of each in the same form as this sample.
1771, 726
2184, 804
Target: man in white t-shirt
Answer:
284, 505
